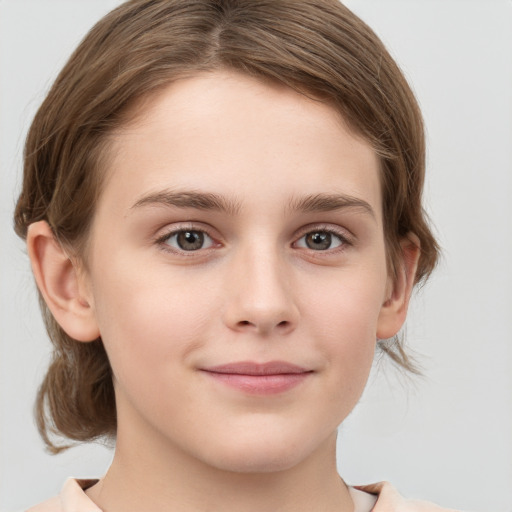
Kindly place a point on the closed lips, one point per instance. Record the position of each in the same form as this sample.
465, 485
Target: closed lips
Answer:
259, 379
257, 369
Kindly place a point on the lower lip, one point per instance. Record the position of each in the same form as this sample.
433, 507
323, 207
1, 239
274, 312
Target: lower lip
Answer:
260, 384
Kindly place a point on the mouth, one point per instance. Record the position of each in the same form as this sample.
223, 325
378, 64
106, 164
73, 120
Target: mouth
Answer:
259, 378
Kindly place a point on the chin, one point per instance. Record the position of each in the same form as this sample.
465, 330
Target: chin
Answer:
266, 443
262, 456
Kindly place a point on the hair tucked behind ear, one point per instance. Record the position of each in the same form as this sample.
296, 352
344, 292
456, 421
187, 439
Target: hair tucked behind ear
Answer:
317, 47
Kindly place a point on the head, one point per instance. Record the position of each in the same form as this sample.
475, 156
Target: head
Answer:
139, 52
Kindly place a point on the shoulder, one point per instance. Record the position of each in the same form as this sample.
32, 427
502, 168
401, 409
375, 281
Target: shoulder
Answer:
51, 505
72, 498
389, 500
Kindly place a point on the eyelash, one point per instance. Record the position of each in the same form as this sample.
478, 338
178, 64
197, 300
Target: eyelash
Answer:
163, 241
343, 238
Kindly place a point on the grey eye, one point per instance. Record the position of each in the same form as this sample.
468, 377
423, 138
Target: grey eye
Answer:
189, 240
320, 241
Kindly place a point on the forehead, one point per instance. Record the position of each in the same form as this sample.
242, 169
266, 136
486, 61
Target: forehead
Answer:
229, 133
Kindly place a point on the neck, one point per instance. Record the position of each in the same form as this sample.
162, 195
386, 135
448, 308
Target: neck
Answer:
151, 474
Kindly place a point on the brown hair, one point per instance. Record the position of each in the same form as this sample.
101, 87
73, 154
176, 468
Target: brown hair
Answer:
317, 47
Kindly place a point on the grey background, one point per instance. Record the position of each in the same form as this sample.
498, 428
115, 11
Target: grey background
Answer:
446, 437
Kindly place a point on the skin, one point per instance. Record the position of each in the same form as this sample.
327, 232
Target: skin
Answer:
256, 290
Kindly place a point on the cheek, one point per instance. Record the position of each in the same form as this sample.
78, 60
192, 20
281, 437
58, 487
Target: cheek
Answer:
347, 305
148, 322
343, 320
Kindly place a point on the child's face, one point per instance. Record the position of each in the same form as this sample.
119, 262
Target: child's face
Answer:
284, 261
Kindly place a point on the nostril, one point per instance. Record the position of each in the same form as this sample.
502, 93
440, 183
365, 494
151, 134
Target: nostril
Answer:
244, 323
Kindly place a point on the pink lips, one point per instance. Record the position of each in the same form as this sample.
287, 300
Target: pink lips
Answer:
259, 379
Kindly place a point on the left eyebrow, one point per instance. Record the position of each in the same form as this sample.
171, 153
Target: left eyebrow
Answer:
330, 202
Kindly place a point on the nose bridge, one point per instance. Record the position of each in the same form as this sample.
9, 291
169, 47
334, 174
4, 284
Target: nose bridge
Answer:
261, 296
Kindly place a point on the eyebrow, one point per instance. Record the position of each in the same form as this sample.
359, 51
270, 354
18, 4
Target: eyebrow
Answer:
189, 199
330, 202
210, 201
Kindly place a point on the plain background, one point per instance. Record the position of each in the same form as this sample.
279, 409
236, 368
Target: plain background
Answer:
446, 437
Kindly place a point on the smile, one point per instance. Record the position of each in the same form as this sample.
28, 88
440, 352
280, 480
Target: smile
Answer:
259, 379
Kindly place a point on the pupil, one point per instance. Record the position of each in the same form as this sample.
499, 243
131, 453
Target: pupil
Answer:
318, 241
190, 240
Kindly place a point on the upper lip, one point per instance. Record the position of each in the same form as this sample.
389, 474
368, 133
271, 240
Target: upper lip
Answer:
252, 368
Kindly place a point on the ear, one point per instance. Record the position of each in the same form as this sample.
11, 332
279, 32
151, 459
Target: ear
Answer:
394, 310
60, 283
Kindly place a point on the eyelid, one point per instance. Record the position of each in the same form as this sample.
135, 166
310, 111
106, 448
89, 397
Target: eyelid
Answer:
176, 228
346, 237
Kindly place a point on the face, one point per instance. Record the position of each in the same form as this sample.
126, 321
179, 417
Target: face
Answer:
237, 272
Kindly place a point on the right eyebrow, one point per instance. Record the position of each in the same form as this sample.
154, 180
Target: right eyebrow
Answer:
188, 199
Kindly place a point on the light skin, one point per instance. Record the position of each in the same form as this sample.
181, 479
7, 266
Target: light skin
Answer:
285, 261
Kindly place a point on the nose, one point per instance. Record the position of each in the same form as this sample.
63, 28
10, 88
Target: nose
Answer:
260, 295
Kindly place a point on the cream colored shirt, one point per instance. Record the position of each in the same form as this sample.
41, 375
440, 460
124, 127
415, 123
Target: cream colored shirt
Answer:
381, 497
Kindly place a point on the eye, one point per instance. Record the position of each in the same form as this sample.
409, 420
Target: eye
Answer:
320, 240
188, 240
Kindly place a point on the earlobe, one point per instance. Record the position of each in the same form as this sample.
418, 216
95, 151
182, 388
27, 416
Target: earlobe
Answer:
394, 310
60, 284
